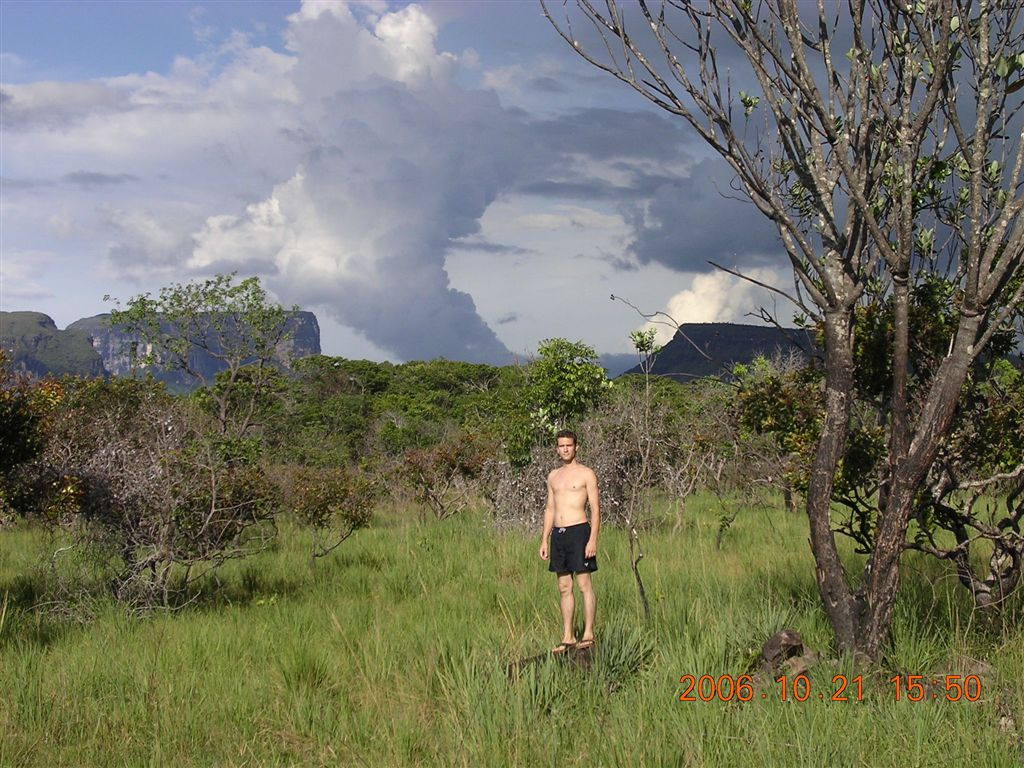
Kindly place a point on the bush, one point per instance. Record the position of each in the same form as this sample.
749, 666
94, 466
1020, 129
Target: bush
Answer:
24, 407
447, 476
334, 503
151, 488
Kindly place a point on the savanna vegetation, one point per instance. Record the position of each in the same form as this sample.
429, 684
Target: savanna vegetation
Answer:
334, 561
337, 562
393, 652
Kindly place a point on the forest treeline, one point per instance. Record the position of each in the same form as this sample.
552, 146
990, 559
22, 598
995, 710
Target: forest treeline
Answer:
161, 488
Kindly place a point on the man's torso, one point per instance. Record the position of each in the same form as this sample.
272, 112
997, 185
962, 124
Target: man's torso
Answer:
569, 491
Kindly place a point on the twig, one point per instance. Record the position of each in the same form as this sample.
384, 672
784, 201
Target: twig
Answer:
669, 320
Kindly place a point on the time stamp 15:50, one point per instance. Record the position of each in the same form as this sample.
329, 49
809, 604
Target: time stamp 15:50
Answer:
843, 688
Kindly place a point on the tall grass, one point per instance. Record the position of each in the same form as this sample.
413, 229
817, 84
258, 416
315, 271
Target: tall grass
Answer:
395, 652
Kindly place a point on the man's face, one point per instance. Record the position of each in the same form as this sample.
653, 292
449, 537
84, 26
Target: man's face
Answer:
566, 448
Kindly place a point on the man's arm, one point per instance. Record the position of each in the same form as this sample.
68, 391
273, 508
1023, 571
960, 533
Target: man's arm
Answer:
549, 521
595, 515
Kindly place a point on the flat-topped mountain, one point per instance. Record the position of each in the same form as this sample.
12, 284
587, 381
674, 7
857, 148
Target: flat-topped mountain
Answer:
711, 349
90, 347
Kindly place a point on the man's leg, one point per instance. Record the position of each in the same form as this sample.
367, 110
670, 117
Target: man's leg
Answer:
568, 606
589, 604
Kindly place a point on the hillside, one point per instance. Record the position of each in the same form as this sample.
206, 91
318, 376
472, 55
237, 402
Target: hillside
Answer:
90, 347
36, 345
716, 347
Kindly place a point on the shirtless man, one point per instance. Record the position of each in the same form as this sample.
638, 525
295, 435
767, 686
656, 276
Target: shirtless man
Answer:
573, 540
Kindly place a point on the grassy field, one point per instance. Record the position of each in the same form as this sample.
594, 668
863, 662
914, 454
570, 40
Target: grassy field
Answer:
393, 652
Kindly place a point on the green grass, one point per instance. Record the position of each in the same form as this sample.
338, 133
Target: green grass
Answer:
393, 652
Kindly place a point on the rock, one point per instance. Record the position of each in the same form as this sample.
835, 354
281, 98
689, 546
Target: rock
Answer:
36, 346
779, 648
800, 665
514, 668
577, 657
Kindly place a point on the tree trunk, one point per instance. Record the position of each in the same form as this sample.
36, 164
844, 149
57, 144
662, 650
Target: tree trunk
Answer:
788, 497
836, 596
881, 575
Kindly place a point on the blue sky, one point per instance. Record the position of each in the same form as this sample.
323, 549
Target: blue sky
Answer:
83, 39
441, 178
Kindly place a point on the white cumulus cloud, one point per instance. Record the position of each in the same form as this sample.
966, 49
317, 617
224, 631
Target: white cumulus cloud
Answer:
718, 297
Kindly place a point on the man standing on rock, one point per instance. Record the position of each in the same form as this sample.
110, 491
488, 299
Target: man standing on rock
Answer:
573, 540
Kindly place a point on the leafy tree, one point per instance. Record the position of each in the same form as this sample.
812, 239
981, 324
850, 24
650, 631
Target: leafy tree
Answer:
229, 322
982, 458
566, 381
883, 142
512, 422
334, 375
783, 402
559, 386
427, 399
325, 414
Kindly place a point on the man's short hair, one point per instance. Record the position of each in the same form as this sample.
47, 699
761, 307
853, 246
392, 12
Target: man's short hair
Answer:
567, 433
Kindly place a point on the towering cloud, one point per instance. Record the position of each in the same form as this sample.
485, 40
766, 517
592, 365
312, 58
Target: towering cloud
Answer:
395, 162
344, 169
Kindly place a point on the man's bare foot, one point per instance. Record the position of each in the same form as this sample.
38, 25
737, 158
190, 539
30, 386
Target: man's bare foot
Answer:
586, 642
563, 647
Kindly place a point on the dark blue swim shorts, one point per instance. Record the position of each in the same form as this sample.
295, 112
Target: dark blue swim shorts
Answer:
567, 550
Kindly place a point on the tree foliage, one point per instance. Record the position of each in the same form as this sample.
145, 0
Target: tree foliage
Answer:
232, 323
566, 382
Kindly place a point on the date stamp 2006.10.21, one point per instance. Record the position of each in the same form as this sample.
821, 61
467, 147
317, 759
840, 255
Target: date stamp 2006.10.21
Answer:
843, 688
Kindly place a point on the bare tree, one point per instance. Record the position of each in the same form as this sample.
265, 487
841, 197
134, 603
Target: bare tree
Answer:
889, 150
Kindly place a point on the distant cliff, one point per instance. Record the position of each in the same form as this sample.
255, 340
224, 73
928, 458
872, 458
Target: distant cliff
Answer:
90, 347
716, 347
36, 345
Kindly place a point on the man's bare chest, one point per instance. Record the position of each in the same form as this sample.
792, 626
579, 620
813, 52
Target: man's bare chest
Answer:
570, 483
